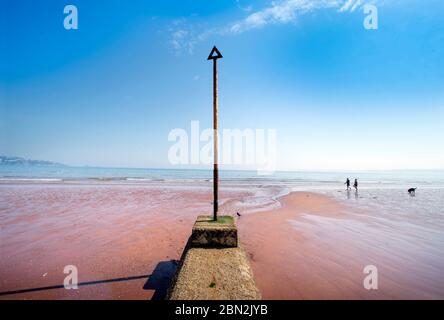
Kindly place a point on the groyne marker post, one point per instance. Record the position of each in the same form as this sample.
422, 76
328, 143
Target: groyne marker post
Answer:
215, 55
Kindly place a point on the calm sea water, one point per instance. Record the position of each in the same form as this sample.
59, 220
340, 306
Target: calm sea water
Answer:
380, 179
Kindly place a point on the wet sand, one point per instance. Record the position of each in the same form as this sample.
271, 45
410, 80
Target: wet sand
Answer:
125, 239
316, 248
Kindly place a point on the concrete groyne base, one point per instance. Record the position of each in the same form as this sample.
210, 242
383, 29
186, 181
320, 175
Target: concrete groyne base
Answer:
214, 266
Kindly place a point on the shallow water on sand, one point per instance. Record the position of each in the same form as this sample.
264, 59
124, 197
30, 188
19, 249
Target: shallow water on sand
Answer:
387, 227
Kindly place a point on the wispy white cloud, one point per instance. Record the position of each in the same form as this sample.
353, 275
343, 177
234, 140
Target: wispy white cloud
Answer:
356, 5
280, 13
347, 5
183, 37
351, 5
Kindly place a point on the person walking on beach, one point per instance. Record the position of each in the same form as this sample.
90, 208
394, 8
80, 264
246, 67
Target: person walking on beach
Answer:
355, 185
348, 184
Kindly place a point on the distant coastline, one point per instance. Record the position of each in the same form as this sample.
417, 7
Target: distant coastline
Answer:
7, 160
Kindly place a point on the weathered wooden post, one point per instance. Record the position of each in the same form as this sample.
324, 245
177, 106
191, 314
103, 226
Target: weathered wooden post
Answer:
215, 55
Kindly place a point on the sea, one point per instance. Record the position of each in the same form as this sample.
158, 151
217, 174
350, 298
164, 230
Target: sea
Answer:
384, 191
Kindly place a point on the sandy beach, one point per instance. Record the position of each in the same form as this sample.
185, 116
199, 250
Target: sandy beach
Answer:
316, 248
125, 240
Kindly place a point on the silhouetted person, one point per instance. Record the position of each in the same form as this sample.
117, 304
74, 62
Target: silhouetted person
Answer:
347, 183
355, 185
238, 214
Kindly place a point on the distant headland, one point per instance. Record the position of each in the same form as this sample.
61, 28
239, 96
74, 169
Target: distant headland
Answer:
6, 160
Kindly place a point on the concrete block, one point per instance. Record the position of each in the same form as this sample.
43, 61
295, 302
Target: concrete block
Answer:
208, 233
214, 274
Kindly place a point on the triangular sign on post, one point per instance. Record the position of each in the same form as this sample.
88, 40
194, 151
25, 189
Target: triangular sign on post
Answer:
215, 54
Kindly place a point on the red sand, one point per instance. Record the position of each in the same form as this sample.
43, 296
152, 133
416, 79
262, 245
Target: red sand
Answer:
325, 260
107, 232
115, 232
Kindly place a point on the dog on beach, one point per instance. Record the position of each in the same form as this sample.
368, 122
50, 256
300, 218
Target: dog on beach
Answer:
412, 191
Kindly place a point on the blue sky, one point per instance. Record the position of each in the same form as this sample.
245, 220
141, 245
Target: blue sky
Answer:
339, 96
